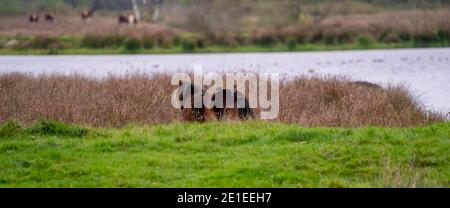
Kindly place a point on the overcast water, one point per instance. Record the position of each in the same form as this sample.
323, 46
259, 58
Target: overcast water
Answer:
425, 71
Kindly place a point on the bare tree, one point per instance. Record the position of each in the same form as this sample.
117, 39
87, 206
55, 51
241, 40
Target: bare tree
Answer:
136, 10
156, 10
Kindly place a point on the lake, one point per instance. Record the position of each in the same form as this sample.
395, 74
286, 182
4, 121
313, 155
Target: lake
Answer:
425, 71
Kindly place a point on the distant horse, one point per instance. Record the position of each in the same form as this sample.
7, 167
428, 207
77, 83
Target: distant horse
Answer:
130, 19
123, 19
87, 15
34, 18
49, 17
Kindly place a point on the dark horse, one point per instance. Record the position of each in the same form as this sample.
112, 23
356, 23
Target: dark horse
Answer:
49, 17
240, 107
86, 15
34, 18
189, 110
219, 110
130, 19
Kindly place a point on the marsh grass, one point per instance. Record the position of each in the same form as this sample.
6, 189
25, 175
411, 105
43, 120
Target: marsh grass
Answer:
145, 99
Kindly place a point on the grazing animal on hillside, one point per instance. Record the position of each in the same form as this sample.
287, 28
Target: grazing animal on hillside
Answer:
34, 18
87, 15
219, 111
49, 17
130, 19
123, 19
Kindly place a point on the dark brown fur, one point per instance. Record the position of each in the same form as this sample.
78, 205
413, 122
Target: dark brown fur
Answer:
232, 113
219, 111
34, 18
123, 19
87, 14
191, 113
49, 17
130, 19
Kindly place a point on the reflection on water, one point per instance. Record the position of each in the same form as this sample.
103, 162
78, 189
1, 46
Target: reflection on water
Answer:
425, 71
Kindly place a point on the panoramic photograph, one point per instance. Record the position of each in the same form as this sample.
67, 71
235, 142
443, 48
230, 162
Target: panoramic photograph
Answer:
224, 94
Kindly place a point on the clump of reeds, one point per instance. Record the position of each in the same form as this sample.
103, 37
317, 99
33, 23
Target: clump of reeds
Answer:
340, 102
145, 99
111, 102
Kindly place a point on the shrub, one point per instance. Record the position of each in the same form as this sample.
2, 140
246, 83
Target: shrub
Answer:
94, 41
132, 44
90, 42
443, 36
57, 129
426, 38
10, 128
53, 51
113, 41
365, 42
291, 44
201, 43
188, 45
45, 42
148, 42
266, 40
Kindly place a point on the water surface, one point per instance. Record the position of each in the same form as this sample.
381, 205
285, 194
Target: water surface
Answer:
425, 71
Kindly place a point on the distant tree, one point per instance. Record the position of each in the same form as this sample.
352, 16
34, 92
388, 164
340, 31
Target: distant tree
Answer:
10, 7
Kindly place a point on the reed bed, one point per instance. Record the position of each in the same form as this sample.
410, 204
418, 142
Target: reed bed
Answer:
145, 99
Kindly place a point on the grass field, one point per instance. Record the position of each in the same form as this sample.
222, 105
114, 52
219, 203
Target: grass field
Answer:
253, 154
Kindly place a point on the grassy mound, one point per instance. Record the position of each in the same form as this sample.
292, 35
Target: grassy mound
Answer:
253, 154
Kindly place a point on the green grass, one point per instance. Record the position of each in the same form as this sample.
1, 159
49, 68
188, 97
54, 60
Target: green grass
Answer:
74, 45
253, 154
208, 49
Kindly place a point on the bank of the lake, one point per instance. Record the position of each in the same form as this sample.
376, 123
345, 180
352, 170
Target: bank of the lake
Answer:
71, 45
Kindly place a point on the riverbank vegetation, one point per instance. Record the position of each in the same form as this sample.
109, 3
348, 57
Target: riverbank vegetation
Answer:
145, 99
221, 26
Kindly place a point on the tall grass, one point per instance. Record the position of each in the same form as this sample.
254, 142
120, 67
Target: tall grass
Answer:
336, 102
145, 99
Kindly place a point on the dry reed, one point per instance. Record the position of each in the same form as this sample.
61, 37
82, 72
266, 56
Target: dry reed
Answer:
145, 99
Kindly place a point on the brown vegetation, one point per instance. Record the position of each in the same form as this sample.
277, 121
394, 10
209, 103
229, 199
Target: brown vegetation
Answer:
338, 102
74, 26
385, 27
419, 26
145, 99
